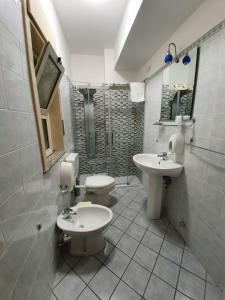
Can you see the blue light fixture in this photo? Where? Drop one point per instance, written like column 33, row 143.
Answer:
column 169, row 57
column 186, row 59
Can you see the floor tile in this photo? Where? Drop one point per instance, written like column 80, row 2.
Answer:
column 125, row 201
column 187, row 248
column 87, row 294
column 145, row 257
column 123, row 292
column 104, row 283
column 61, row 270
column 142, row 220
column 135, row 205
column 105, row 253
column 158, row 227
column 129, row 214
column 191, row 285
column 122, row 223
column 173, row 237
column 136, row 277
column 190, row 262
column 70, row 287
column 113, row 234
column 136, row 231
column 53, row 297
column 117, row 262
column 87, row 268
column 180, row 296
column 166, row 270
column 152, row 241
column 115, row 216
column 212, row 292
column 171, row 252
column 210, row 279
column 118, row 208
column 128, row 245
column 71, row 260
column 159, row 290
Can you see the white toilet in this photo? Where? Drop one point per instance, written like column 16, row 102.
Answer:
column 97, row 187
column 85, row 225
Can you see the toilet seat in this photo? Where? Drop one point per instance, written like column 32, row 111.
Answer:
column 100, row 182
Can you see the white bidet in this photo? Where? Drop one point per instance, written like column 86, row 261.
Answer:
column 86, row 228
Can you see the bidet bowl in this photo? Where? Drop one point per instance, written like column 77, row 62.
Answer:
column 89, row 219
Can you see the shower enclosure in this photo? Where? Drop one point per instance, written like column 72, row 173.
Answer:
column 108, row 131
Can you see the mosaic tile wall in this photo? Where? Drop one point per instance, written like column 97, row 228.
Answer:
column 119, row 127
column 168, row 96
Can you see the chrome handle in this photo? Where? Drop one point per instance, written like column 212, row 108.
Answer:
column 112, row 138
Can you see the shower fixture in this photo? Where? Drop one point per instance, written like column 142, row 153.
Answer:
column 169, row 57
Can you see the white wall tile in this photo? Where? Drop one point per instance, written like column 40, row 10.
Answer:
column 9, row 8
column 10, row 179
column 3, row 102
column 17, row 94
column 10, row 51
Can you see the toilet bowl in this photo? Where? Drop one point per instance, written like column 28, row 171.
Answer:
column 97, row 187
column 86, row 228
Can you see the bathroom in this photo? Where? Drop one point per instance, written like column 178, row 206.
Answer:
column 130, row 115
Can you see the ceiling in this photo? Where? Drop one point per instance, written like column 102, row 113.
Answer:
column 90, row 25
column 156, row 21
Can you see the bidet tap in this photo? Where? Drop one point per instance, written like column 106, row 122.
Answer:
column 67, row 212
column 163, row 155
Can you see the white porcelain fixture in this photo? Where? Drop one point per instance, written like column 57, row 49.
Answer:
column 155, row 167
column 97, row 187
column 86, row 228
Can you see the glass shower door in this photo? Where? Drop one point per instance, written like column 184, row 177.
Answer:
column 118, row 134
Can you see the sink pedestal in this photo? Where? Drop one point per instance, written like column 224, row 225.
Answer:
column 155, row 194
column 155, row 168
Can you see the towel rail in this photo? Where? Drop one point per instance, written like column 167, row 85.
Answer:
column 206, row 149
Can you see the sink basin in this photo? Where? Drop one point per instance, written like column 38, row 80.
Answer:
column 155, row 168
column 151, row 163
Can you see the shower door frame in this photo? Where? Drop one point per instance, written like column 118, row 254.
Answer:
column 110, row 135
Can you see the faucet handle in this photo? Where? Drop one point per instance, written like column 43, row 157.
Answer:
column 161, row 154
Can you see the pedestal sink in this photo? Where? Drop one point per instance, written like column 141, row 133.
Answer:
column 155, row 167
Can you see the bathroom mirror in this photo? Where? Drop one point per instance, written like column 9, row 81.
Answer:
column 178, row 89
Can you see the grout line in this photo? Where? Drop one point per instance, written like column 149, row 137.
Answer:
column 179, row 273
column 205, row 287
column 155, row 261
column 129, row 258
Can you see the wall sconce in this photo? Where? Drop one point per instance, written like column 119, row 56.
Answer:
column 169, row 57
column 186, row 59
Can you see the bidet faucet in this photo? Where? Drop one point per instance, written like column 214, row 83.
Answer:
column 67, row 212
column 163, row 155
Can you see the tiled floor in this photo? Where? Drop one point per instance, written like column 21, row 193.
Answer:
column 142, row 260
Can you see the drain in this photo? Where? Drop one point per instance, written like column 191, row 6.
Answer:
column 81, row 226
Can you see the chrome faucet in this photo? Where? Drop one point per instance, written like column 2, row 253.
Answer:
column 163, row 155
column 67, row 212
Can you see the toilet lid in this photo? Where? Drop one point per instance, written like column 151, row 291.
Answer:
column 99, row 181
